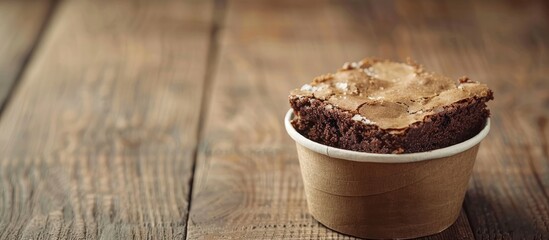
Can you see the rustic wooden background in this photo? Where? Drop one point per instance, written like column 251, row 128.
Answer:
column 160, row 120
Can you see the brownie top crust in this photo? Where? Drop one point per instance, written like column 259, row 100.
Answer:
column 390, row 95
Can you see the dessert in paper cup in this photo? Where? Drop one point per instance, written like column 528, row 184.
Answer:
column 386, row 149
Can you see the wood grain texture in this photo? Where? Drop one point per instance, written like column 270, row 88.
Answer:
column 20, row 27
column 98, row 141
column 509, row 194
column 247, row 182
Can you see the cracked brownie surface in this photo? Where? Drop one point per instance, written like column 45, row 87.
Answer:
column 382, row 106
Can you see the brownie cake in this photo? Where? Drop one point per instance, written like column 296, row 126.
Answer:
column 381, row 106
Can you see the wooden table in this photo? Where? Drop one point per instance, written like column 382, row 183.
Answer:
column 152, row 120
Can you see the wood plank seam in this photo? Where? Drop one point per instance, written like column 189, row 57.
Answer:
column 212, row 59
column 29, row 55
column 113, row 94
column 542, row 124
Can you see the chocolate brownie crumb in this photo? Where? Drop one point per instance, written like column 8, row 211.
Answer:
column 389, row 108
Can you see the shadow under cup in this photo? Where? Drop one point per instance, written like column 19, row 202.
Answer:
column 385, row 195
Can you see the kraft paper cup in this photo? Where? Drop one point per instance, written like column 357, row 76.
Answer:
column 385, row 195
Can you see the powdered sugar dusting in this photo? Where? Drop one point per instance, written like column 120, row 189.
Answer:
column 360, row 118
column 307, row 87
column 370, row 72
column 342, row 86
column 310, row 88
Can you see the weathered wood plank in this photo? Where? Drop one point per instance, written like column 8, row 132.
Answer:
column 98, row 140
column 247, row 182
column 509, row 196
column 21, row 23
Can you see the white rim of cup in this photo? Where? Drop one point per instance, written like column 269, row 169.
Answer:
column 378, row 157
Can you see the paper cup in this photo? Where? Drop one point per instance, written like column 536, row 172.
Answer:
column 385, row 195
